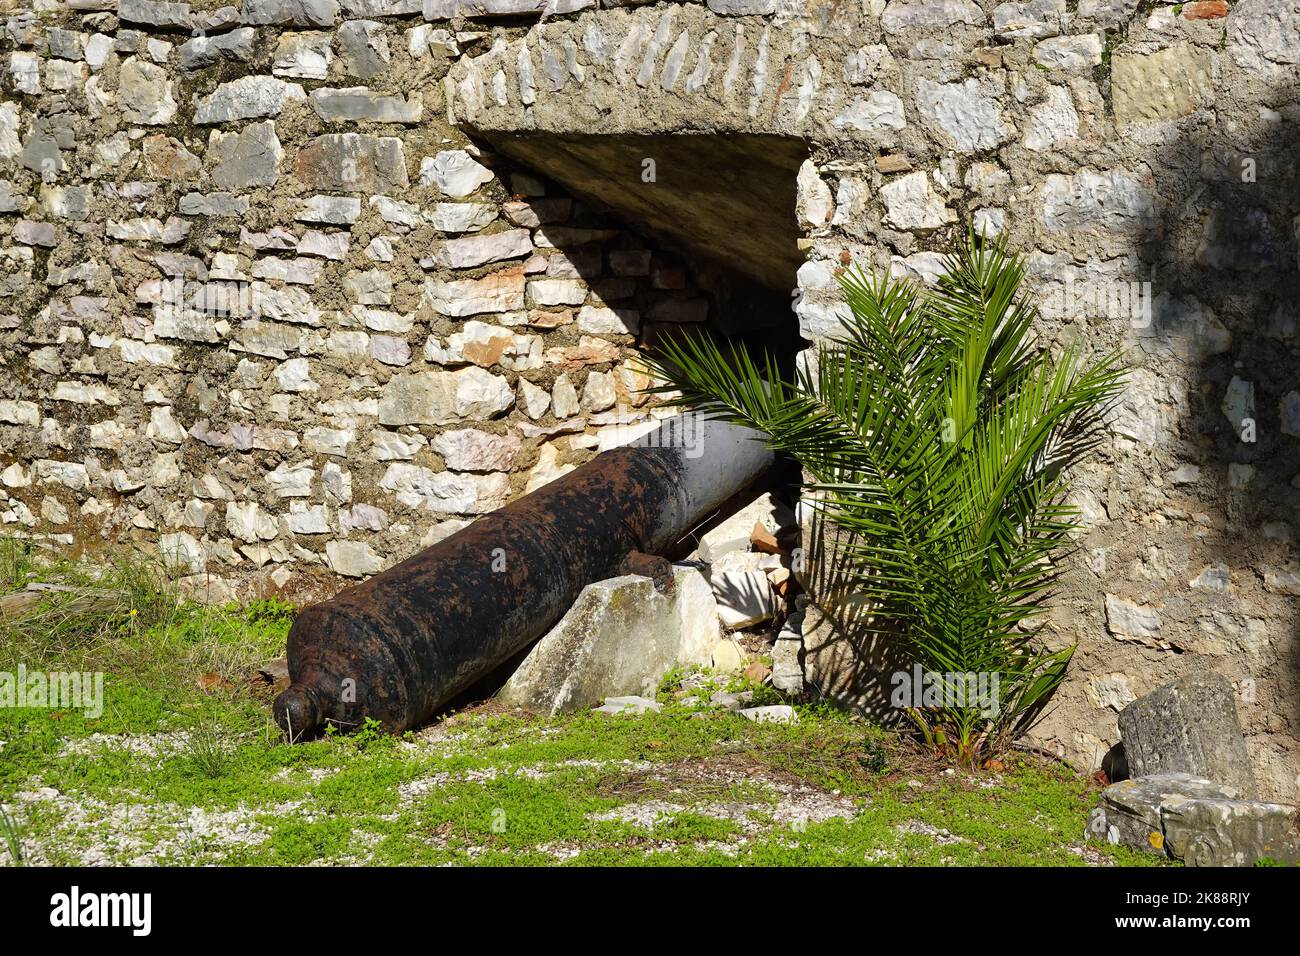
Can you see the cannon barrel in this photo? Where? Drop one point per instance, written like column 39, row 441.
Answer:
column 399, row 646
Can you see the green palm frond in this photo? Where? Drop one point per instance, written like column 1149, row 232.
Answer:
column 937, row 433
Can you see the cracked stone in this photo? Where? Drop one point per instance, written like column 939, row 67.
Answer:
column 353, row 162
column 455, row 172
column 911, row 203
column 245, row 159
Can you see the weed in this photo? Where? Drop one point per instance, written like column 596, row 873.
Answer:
column 13, row 837
column 207, row 750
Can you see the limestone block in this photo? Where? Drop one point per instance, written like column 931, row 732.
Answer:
column 1188, row 726
column 619, row 638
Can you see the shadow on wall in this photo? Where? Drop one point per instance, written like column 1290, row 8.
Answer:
column 1224, row 263
column 848, row 656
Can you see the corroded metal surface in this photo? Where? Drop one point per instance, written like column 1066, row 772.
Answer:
column 400, row 645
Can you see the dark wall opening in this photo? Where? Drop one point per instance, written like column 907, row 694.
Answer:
column 725, row 204
column 729, row 199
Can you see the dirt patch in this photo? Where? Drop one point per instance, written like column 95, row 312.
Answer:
column 716, row 787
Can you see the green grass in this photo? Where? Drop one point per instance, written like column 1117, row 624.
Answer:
column 172, row 773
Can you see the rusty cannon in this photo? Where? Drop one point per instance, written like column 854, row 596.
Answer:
column 399, row 646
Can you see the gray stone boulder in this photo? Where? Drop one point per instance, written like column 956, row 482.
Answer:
column 1231, row 832
column 619, row 639
column 1130, row 811
column 1197, row 821
column 1189, row 726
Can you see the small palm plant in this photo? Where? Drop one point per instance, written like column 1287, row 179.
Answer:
column 936, row 433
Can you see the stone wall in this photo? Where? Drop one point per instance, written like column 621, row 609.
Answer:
column 263, row 305
column 1141, row 155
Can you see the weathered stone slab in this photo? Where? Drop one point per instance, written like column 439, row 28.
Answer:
column 620, row 637
column 464, row 297
column 1105, row 12
column 903, row 15
column 249, row 97
column 461, row 216
column 365, row 48
column 1129, row 814
column 302, row 13
column 480, row 250
column 353, row 162
column 444, row 491
column 332, row 210
column 743, row 8
column 155, row 13
column 245, row 159
column 1161, row 86
column 303, row 55
column 1189, row 726
column 1033, row 19
column 440, row 398
column 353, row 559
column 360, row 103
column 1195, row 820
column 1074, row 54
column 880, row 111
column 382, row 8
column 601, row 321
column 1129, row 621
column 235, row 47
column 145, row 93
column 744, row 597
column 912, row 203
column 967, row 112
column 1230, row 832
column 469, row 449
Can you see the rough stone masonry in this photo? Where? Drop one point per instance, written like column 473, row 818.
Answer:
column 291, row 288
